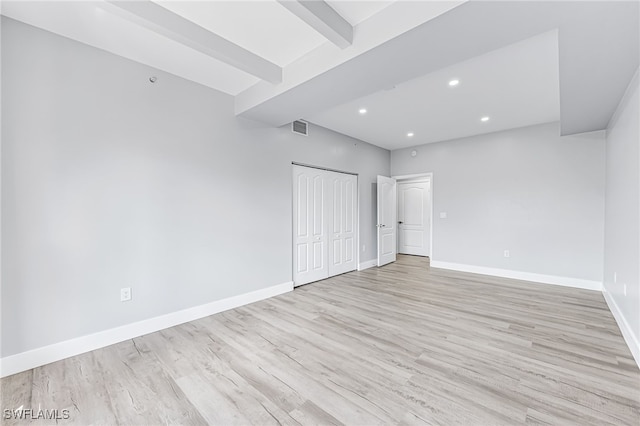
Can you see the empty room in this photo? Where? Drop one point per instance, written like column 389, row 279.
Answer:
column 292, row 212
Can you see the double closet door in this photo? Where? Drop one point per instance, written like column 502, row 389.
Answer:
column 324, row 224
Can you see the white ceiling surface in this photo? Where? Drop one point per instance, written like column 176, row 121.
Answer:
column 291, row 98
column 414, row 45
column 356, row 12
column 92, row 24
column 263, row 27
column 515, row 86
column 598, row 44
column 276, row 34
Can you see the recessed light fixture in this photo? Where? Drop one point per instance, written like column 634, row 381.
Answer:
column 362, row 111
column 454, row 82
column 484, row 119
column 410, row 134
column 153, row 79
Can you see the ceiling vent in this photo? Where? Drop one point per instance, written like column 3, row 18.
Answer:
column 300, row 127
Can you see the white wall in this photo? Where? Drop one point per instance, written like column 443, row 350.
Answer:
column 622, row 217
column 109, row 181
column 528, row 190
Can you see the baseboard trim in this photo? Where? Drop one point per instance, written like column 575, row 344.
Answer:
column 518, row 275
column 629, row 337
column 47, row 354
column 368, row 264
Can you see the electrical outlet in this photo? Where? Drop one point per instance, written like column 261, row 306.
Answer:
column 125, row 294
column 615, row 277
column 507, row 254
column 443, row 215
column 624, row 289
column 364, row 248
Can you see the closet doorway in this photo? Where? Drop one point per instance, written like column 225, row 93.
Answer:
column 325, row 223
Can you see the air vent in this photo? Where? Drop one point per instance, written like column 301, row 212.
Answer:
column 299, row 127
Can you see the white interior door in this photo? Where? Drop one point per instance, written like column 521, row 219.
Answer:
column 386, row 220
column 342, row 236
column 414, row 217
column 310, row 229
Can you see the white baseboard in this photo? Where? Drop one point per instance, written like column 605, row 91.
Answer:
column 627, row 332
column 47, row 354
column 518, row 275
column 368, row 264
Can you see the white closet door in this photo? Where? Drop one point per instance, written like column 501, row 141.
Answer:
column 325, row 222
column 310, row 227
column 342, row 223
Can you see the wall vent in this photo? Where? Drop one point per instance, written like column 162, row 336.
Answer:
column 300, row 127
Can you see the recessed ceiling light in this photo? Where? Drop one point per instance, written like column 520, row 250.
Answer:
column 454, row 82
column 483, row 119
column 410, row 134
column 362, row 111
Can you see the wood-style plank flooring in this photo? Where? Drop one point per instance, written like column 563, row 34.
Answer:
column 398, row 345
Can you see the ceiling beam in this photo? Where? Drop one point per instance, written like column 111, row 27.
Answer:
column 162, row 21
column 323, row 18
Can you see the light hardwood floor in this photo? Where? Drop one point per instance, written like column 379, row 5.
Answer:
column 402, row 344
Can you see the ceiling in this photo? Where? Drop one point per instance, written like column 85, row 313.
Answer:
column 263, row 29
column 272, row 27
column 514, row 86
column 518, row 62
column 358, row 11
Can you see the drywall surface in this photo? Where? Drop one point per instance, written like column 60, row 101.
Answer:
column 111, row 181
column 622, row 213
column 527, row 190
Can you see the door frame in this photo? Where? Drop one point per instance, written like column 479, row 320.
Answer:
column 417, row 177
column 292, row 225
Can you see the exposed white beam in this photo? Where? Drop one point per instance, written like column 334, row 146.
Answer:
column 320, row 16
column 181, row 30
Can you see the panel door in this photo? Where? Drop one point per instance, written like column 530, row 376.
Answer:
column 414, row 211
column 386, row 220
column 310, row 248
column 342, row 223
